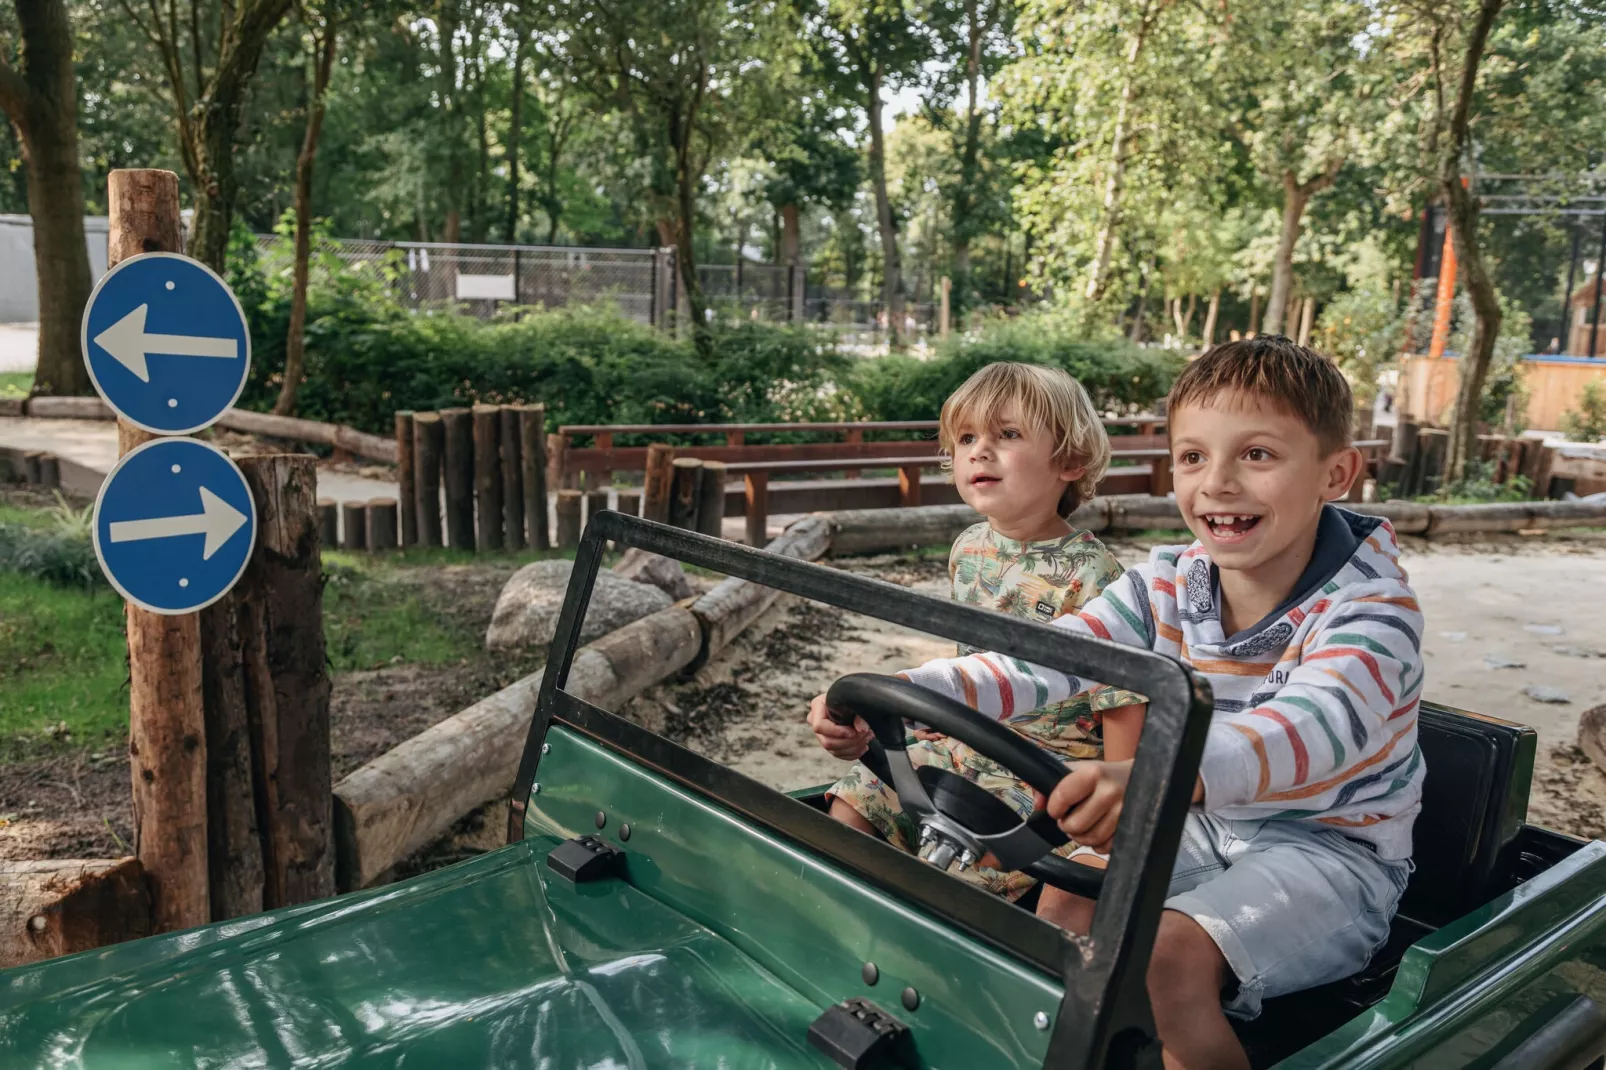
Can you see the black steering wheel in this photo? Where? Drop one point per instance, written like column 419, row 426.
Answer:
column 958, row 820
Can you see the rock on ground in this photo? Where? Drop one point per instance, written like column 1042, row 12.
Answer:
column 655, row 570
column 526, row 614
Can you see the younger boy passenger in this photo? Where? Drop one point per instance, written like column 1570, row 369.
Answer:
column 1302, row 620
column 1027, row 448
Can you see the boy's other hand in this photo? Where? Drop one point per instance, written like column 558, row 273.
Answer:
column 1087, row 803
column 842, row 741
column 927, row 734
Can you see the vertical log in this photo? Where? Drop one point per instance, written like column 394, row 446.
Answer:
column 596, row 502
column 459, row 469
column 1160, row 479
column 658, row 480
column 167, row 725
column 405, row 478
column 630, row 502
column 354, row 525
column 512, row 478
column 568, row 519
column 758, row 507
column 33, row 467
column 279, row 607
column 1547, row 461
column 711, row 499
column 382, row 517
column 686, row 474
column 488, row 477
column 909, row 485
column 532, row 444
column 557, row 456
column 429, row 443
column 49, row 471
column 328, row 522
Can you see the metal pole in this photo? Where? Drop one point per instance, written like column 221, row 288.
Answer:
column 1567, row 302
column 1600, row 272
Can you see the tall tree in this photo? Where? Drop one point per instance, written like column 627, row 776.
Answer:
column 872, row 47
column 677, row 69
column 209, row 55
column 810, row 163
column 323, row 31
column 38, row 95
column 1302, row 111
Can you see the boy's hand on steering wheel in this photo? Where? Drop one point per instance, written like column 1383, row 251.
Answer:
column 841, row 741
column 1087, row 803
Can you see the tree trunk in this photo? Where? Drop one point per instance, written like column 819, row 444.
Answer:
column 446, row 20
column 1104, row 245
column 791, row 235
column 1462, row 207
column 295, row 337
column 515, row 129
column 1210, row 318
column 964, row 201
column 41, row 102
column 1296, row 197
column 892, row 271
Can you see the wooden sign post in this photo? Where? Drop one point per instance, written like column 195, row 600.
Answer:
column 166, row 727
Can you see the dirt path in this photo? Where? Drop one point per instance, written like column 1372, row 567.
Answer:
column 1501, row 617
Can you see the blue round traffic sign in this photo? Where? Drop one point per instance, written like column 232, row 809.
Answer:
column 174, row 525
column 166, row 343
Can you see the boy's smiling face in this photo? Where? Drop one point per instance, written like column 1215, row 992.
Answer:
column 1007, row 472
column 1251, row 481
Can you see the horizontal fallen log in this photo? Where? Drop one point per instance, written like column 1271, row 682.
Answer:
column 1576, row 514
column 339, row 436
column 1483, row 517
column 735, row 603
column 55, row 907
column 1143, row 513
column 861, row 531
column 1408, row 518
column 69, row 408
column 410, row 795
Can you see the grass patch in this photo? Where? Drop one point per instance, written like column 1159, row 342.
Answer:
column 372, row 618
column 15, row 384
column 63, row 663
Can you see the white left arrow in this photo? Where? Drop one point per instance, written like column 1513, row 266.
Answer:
column 128, row 343
column 217, row 520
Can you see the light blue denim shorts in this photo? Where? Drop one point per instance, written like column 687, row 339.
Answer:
column 1290, row 905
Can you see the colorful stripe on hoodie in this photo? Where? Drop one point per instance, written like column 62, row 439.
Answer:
column 1315, row 705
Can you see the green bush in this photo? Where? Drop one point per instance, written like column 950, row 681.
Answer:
column 367, row 356
column 1119, row 376
column 1588, row 422
column 66, row 560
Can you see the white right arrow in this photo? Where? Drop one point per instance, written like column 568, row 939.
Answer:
column 217, row 520
column 129, row 345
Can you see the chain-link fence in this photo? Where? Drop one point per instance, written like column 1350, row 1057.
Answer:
column 479, row 279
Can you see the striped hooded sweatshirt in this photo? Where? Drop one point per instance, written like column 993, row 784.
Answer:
column 1315, row 705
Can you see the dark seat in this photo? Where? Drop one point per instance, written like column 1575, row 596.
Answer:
column 1474, row 805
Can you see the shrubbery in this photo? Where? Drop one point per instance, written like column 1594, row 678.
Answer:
column 367, row 356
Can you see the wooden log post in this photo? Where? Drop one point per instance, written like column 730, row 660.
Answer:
column 459, row 477
column 429, row 444
column 382, row 522
column 658, row 482
column 354, row 525
column 49, row 471
column 683, row 492
column 557, row 448
column 512, row 478
column 407, row 509
column 167, row 726
column 54, row 907
column 488, row 477
column 630, row 502
column 1542, row 469
column 328, row 522
column 711, row 499
column 1160, row 483
column 532, row 455
column 569, row 519
column 909, row 486
column 33, row 467
column 268, row 690
column 596, row 502
column 758, row 507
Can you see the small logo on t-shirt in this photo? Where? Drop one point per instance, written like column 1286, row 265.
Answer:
column 1045, row 609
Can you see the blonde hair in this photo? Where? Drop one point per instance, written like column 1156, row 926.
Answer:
column 1046, row 399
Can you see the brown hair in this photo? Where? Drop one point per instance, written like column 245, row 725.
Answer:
column 1045, row 398
column 1299, row 381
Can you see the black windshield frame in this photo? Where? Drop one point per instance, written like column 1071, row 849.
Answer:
column 1105, row 1003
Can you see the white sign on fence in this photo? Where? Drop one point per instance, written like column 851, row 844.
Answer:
column 485, row 288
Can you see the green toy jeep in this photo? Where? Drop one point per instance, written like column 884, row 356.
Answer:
column 655, row 909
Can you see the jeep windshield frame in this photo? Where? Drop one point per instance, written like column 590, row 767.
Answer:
column 1105, row 1008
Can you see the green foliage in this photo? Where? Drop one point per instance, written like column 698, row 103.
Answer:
column 62, row 655
column 1362, row 329
column 1478, row 487
column 15, row 384
column 50, row 546
column 1587, row 423
column 1117, row 375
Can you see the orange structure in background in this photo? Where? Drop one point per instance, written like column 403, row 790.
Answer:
column 1444, row 295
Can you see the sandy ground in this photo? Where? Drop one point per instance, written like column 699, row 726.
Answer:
column 1502, row 617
